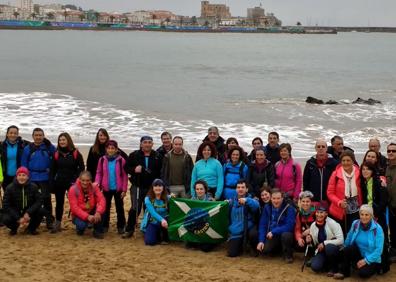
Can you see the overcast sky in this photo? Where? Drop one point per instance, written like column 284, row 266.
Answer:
column 321, row 12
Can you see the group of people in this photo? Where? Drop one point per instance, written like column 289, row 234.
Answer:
column 338, row 211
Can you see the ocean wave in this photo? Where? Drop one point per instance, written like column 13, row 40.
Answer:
column 81, row 118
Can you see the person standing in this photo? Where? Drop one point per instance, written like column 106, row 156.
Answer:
column 208, row 168
column 218, row 142
column 67, row 165
column 234, row 170
column 272, row 148
column 11, row 151
column 257, row 143
column 317, row 172
column 97, row 150
column 344, row 192
column 375, row 145
column 391, row 187
column 288, row 176
column 113, row 181
column 176, row 169
column 143, row 165
column 166, row 139
column 337, row 147
column 22, row 203
column 37, row 158
column 261, row 172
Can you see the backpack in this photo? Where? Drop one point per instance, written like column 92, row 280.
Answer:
column 241, row 167
column 75, row 155
column 33, row 149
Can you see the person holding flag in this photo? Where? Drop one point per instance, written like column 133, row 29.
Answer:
column 243, row 210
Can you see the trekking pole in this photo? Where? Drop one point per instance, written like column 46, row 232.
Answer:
column 305, row 257
column 137, row 211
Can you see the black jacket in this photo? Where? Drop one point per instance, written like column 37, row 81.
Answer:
column 148, row 174
column 316, row 179
column 65, row 169
column 272, row 154
column 330, row 150
column 256, row 179
column 19, row 199
column 380, row 198
column 3, row 153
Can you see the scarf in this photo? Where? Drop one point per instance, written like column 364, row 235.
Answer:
column 350, row 183
column 365, row 227
column 322, row 232
column 260, row 167
column 321, row 162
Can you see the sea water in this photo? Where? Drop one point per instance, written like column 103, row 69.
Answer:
column 137, row 83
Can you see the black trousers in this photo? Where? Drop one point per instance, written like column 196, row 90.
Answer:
column 283, row 242
column 119, row 204
column 346, row 223
column 137, row 200
column 350, row 257
column 235, row 246
column 392, row 227
column 12, row 222
column 47, row 204
column 60, row 201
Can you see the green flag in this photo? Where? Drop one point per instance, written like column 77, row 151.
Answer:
column 198, row 221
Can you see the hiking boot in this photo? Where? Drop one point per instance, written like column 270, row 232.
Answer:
column 105, row 229
column 98, row 235
column 338, row 276
column 56, row 228
column 32, row 232
column 121, row 231
column 330, row 274
column 289, row 260
column 127, row 234
column 13, row 232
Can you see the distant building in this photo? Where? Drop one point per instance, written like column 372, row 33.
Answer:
column 255, row 12
column 7, row 12
column 26, row 5
column 219, row 11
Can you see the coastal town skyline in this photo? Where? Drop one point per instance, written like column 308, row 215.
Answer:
column 308, row 12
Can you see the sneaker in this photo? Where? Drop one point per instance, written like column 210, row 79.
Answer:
column 13, row 232
column 127, row 234
column 330, row 274
column 121, row 231
column 98, row 235
column 338, row 276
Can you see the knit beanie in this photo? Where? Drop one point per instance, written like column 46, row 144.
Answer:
column 112, row 143
column 22, row 169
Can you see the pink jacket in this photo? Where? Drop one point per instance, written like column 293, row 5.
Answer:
column 81, row 209
column 102, row 174
column 288, row 178
column 336, row 191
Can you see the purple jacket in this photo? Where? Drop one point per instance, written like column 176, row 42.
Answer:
column 102, row 174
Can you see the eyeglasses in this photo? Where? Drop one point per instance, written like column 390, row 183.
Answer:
column 391, row 151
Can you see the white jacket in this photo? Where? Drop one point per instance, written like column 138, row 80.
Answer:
column 333, row 231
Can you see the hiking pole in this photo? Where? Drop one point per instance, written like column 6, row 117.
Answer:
column 137, row 211
column 305, row 257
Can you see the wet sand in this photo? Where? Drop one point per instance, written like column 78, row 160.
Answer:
column 67, row 257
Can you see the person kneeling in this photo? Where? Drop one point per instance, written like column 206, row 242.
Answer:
column 326, row 235
column 154, row 224
column 22, row 204
column 243, row 210
column 87, row 205
column 276, row 227
column 363, row 245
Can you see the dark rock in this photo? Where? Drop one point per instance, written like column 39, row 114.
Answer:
column 312, row 100
column 370, row 101
column 331, row 102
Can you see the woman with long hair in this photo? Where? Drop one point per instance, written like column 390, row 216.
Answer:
column 97, row 150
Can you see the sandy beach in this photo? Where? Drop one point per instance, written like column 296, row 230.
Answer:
column 67, row 257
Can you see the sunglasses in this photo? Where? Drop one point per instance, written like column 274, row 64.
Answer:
column 391, row 151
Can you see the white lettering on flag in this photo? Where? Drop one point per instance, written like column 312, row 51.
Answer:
column 213, row 234
column 214, row 211
column 182, row 231
column 183, row 206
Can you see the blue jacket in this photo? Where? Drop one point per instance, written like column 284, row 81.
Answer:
column 156, row 211
column 373, row 238
column 38, row 160
column 276, row 221
column 212, row 172
column 237, row 216
column 232, row 173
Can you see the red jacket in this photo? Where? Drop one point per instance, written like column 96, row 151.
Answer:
column 81, row 209
column 336, row 191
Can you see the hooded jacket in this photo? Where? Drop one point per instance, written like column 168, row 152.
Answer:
column 102, row 174
column 21, row 144
column 256, row 178
column 66, row 169
column 316, row 179
column 391, row 184
column 241, row 213
column 288, row 177
column 38, row 160
column 211, row 171
column 82, row 209
column 19, row 199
